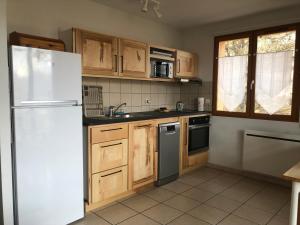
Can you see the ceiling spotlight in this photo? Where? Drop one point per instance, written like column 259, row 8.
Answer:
column 155, row 4
column 156, row 8
column 145, row 5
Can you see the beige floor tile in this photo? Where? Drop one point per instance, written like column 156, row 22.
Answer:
column 212, row 187
column 116, row 213
column 162, row 214
column 90, row 219
column 285, row 211
column 242, row 191
column 223, row 203
column 191, row 180
column 255, row 215
column 198, row 195
column 128, row 197
column 267, row 203
column 187, row 220
column 277, row 220
column 182, row 203
column 177, row 187
column 207, row 173
column 139, row 220
column 227, row 179
column 235, row 220
column 140, row 203
column 160, row 194
column 208, row 214
column 105, row 206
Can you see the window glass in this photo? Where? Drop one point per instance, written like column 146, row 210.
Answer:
column 274, row 73
column 232, row 75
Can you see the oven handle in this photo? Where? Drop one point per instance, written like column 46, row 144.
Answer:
column 194, row 127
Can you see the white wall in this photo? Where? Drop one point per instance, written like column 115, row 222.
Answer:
column 5, row 150
column 46, row 18
column 226, row 132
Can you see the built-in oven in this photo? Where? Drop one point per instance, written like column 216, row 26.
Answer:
column 198, row 134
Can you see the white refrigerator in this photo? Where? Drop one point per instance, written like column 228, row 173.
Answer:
column 47, row 136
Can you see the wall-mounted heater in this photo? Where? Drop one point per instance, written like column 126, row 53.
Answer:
column 270, row 153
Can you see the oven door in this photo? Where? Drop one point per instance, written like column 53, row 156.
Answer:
column 198, row 138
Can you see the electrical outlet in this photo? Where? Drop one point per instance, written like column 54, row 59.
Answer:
column 147, row 101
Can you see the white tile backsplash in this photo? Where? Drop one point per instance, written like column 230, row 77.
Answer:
column 126, row 86
column 114, row 86
column 136, row 87
column 136, row 100
column 160, row 94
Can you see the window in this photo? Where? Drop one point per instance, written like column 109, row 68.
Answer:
column 255, row 74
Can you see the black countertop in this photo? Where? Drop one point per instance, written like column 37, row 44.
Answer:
column 139, row 116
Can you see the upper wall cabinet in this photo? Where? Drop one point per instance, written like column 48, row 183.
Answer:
column 107, row 55
column 104, row 55
column 186, row 65
column 133, row 58
column 99, row 53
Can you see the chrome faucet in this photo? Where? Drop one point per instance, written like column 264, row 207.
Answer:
column 114, row 109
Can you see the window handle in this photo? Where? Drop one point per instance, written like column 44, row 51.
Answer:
column 251, row 85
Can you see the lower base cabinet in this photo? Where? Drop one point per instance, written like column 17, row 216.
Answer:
column 109, row 184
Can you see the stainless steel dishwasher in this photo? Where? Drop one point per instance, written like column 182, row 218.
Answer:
column 168, row 152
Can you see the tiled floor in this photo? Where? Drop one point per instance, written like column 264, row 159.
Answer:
column 204, row 197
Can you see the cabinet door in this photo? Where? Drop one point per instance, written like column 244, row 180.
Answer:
column 133, row 58
column 186, row 66
column 99, row 53
column 184, row 137
column 109, row 184
column 109, row 155
column 142, row 140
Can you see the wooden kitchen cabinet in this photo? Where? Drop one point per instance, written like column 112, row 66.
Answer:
column 99, row 53
column 32, row 41
column 109, row 184
column 133, row 58
column 109, row 155
column 141, row 153
column 186, row 64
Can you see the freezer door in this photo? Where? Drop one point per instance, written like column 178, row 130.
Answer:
column 48, row 158
column 44, row 75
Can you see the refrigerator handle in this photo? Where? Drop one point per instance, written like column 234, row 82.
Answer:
column 50, row 103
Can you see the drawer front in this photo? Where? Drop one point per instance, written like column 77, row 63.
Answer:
column 109, row 184
column 109, row 155
column 109, row 133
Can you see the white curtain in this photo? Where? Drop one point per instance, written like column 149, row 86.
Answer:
column 232, row 81
column 274, row 80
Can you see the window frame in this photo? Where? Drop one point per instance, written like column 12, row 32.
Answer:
column 250, row 101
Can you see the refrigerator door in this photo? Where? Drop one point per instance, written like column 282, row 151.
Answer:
column 48, row 160
column 45, row 77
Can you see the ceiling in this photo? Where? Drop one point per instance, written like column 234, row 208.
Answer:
column 188, row 13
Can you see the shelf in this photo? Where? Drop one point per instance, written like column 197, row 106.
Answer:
column 154, row 56
column 132, row 78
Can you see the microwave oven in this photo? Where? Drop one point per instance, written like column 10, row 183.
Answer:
column 162, row 69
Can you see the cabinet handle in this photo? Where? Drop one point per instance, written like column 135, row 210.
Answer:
column 122, row 64
column 186, row 134
column 101, row 51
column 142, row 126
column 178, row 66
column 119, row 171
column 111, row 129
column 106, row 146
column 116, row 63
